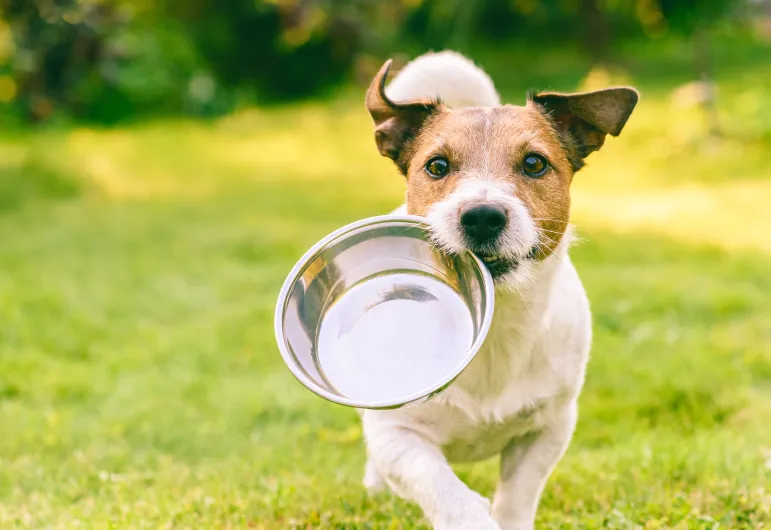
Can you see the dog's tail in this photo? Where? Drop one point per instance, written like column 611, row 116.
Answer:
column 448, row 76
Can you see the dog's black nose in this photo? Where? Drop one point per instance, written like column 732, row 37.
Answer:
column 483, row 223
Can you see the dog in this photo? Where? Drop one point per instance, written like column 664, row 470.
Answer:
column 494, row 179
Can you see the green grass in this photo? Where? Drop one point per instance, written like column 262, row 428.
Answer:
column 140, row 386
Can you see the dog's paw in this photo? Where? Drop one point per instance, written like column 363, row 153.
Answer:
column 373, row 480
column 515, row 524
column 487, row 523
column 472, row 512
column 375, row 484
column 479, row 522
column 479, row 500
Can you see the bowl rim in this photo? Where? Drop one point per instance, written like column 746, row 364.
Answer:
column 301, row 265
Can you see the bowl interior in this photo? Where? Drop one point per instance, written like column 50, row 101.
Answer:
column 375, row 316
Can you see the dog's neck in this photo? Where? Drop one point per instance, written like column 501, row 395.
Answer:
column 521, row 311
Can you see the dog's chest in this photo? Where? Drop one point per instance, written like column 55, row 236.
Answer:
column 473, row 428
column 511, row 388
column 477, row 440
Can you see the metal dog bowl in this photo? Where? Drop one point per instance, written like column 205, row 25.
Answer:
column 375, row 316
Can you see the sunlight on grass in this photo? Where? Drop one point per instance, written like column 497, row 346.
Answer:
column 731, row 216
column 660, row 178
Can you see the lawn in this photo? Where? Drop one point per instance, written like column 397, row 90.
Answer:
column 140, row 385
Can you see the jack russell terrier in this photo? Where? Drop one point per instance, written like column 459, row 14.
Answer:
column 494, row 179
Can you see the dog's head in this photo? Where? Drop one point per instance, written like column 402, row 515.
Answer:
column 496, row 180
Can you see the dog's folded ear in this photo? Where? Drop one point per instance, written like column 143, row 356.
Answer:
column 587, row 117
column 396, row 123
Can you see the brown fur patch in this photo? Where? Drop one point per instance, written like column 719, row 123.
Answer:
column 396, row 124
column 584, row 119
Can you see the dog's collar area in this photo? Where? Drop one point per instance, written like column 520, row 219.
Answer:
column 498, row 265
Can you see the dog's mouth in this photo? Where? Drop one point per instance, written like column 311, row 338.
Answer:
column 498, row 265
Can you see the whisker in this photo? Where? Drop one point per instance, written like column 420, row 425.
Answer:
column 573, row 237
column 550, row 231
column 542, row 232
column 420, row 224
column 552, row 220
column 524, row 302
column 543, row 249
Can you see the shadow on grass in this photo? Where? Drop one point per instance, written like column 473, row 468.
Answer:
column 33, row 180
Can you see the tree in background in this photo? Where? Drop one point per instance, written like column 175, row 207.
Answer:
column 108, row 60
column 57, row 48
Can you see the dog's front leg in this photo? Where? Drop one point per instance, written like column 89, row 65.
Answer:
column 526, row 463
column 417, row 470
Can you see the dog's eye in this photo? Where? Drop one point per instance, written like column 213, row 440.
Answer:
column 438, row 167
column 534, row 165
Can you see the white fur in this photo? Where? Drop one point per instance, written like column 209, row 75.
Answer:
column 520, row 235
column 449, row 75
column 518, row 397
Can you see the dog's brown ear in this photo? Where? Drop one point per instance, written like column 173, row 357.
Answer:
column 396, row 123
column 587, row 117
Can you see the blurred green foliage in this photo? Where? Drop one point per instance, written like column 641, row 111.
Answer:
column 108, row 60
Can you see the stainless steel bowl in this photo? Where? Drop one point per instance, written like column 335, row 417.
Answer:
column 375, row 316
